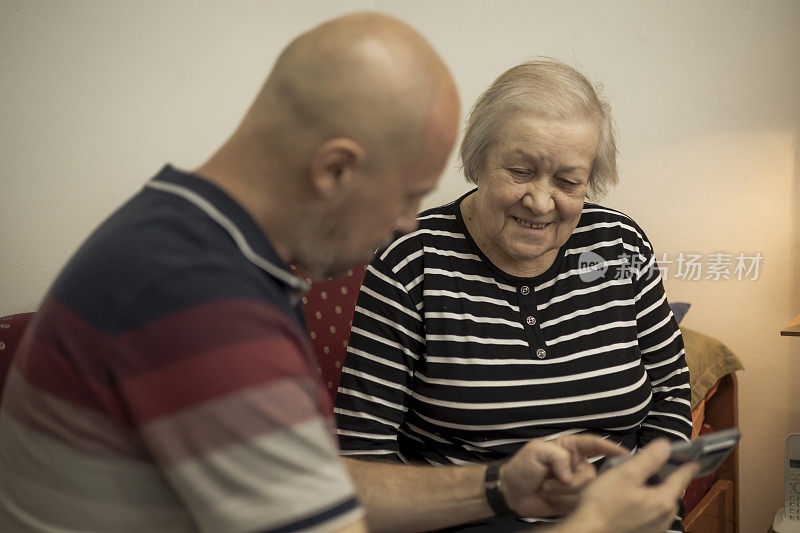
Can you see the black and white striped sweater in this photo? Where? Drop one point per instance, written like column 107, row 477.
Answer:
column 453, row 361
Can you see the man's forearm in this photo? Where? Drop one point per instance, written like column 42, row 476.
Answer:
column 419, row 498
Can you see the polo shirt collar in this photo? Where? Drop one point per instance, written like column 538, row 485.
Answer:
column 225, row 211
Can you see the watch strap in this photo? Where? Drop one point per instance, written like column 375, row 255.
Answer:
column 491, row 486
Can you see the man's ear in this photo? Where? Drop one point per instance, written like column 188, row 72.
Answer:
column 334, row 164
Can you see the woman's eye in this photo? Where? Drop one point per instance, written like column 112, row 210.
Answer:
column 520, row 171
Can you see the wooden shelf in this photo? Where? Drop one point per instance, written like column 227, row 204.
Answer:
column 793, row 329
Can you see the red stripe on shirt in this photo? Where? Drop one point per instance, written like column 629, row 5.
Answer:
column 54, row 369
column 166, row 366
column 83, row 429
column 201, row 329
column 203, row 377
column 252, row 413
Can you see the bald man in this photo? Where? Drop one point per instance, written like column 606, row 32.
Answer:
column 166, row 384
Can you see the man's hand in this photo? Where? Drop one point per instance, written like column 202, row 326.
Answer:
column 544, row 478
column 564, row 497
column 621, row 501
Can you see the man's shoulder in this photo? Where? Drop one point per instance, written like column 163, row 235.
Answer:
column 154, row 257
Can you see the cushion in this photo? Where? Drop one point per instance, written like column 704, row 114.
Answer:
column 12, row 328
column 329, row 307
column 708, row 360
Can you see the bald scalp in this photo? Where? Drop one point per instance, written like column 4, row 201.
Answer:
column 367, row 77
column 353, row 125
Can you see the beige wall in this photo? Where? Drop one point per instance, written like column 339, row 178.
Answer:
column 96, row 96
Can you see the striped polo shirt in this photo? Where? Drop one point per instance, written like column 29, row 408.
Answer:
column 453, row 361
column 166, row 383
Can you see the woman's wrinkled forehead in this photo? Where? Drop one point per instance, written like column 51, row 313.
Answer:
column 525, row 129
column 530, row 137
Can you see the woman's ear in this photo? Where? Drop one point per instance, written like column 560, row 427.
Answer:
column 334, row 165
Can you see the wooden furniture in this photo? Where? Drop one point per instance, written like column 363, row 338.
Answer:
column 793, row 329
column 718, row 510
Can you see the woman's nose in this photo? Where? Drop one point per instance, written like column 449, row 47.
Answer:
column 539, row 199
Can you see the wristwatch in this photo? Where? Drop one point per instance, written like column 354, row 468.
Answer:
column 491, row 485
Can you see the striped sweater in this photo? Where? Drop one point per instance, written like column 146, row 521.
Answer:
column 453, row 361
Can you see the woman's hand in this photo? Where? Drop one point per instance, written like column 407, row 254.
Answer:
column 544, row 478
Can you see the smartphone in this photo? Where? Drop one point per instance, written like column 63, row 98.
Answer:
column 709, row 451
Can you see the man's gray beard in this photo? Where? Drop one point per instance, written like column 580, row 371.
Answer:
column 333, row 266
column 320, row 257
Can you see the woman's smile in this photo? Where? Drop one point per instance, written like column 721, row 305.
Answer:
column 530, row 225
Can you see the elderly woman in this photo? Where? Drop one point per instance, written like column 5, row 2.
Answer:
column 518, row 311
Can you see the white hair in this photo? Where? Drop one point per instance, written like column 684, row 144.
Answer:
column 553, row 89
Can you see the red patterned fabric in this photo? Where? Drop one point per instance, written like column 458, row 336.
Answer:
column 12, row 328
column 329, row 307
column 698, row 487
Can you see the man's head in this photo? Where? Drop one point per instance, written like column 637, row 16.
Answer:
column 352, row 127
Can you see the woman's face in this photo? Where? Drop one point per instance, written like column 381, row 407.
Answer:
column 531, row 190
